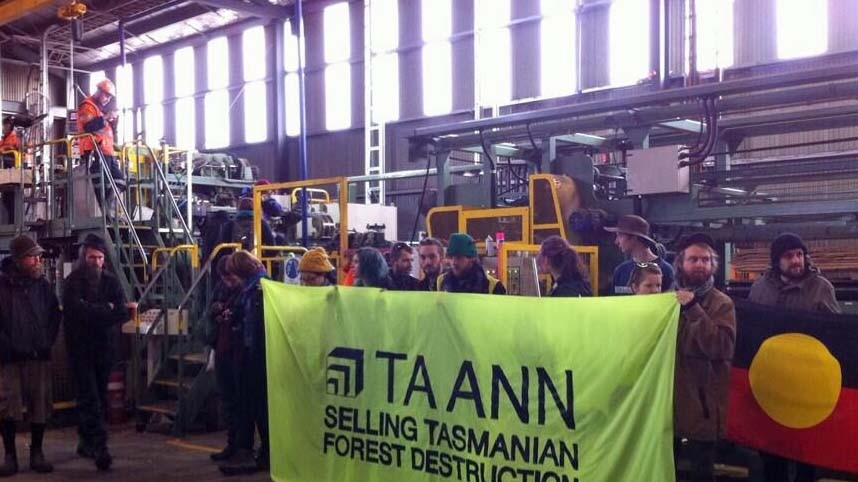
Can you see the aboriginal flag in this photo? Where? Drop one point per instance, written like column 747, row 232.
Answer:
column 794, row 385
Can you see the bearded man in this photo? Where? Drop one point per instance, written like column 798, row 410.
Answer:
column 95, row 306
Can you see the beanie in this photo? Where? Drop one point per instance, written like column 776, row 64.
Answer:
column 783, row 243
column 315, row 261
column 462, row 244
column 95, row 242
column 24, row 245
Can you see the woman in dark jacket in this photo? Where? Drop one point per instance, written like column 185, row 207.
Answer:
column 252, row 398
column 558, row 258
column 371, row 269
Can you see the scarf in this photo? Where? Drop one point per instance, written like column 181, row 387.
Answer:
column 700, row 291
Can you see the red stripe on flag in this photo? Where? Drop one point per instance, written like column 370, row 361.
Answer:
column 833, row 443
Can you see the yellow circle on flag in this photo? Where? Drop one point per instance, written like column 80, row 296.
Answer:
column 796, row 380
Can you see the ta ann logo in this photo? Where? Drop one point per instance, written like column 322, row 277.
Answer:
column 344, row 376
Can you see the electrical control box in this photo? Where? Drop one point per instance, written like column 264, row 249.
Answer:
column 656, row 171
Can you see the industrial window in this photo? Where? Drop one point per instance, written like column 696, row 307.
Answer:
column 186, row 123
column 338, row 98
column 183, row 69
column 714, row 34
column 437, row 23
column 802, row 28
column 217, row 99
column 494, row 55
column 218, row 63
column 125, row 101
column 557, row 47
column 255, row 112
column 94, row 79
column 254, row 92
column 154, row 124
column 153, row 95
column 290, row 62
column 217, row 119
column 385, row 60
column 629, row 41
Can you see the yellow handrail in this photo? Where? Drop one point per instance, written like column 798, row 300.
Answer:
column 342, row 201
column 192, row 248
column 310, row 198
column 283, row 249
column 15, row 153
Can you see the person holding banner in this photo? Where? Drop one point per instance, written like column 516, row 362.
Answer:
column 646, row 279
column 467, row 275
column 793, row 283
column 705, row 345
column 315, row 268
column 431, row 256
column 557, row 257
column 252, row 376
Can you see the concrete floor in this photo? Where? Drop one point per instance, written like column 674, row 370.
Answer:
column 137, row 457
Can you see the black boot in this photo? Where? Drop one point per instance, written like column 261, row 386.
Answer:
column 103, row 459
column 224, row 454
column 38, row 463
column 85, row 451
column 10, row 463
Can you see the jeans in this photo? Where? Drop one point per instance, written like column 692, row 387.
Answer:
column 91, row 371
column 226, row 371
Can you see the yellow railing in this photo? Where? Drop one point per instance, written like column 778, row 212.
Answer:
column 268, row 260
column 16, row 154
column 310, row 198
column 342, row 201
column 193, row 249
column 591, row 251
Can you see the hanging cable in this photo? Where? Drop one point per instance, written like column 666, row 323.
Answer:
column 493, row 188
column 422, row 195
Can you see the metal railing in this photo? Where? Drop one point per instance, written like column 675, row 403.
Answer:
column 182, row 322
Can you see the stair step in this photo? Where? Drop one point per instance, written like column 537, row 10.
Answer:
column 199, row 358
column 186, row 382
column 165, row 407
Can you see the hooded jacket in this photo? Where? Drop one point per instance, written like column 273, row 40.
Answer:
column 29, row 316
column 93, row 310
column 811, row 293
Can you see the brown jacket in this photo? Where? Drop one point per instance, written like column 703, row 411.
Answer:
column 813, row 293
column 705, row 345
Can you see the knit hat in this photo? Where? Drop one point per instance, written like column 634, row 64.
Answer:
column 462, row 244
column 95, row 242
column 315, row 261
column 24, row 245
column 783, row 243
column 695, row 238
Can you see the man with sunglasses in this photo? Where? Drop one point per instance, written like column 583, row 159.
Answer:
column 401, row 263
column 29, row 324
column 633, row 239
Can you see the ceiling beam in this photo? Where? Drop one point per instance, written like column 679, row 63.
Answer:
column 12, row 10
column 146, row 25
column 250, row 8
column 682, row 125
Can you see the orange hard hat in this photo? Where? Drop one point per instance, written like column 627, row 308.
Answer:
column 107, row 87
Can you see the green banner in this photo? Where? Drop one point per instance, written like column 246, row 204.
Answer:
column 370, row 385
